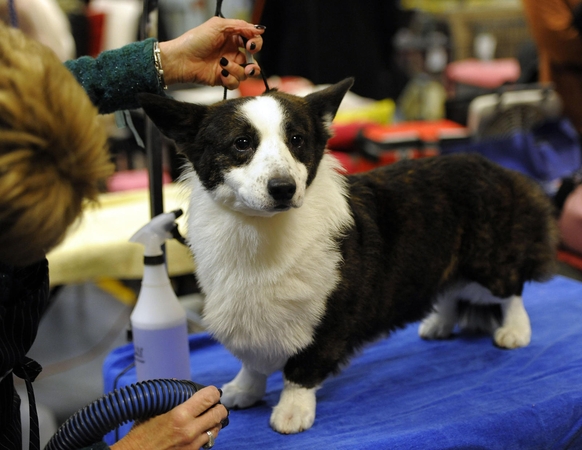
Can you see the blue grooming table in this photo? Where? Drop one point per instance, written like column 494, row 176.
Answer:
column 406, row 393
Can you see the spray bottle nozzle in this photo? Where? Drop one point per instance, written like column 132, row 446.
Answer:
column 178, row 213
column 154, row 234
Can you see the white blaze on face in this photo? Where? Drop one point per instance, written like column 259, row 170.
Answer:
column 245, row 188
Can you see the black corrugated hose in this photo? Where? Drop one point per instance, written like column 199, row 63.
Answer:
column 139, row 401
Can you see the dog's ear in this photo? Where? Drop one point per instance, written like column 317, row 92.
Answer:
column 177, row 120
column 326, row 102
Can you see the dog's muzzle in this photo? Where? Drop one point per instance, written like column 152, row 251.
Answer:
column 282, row 191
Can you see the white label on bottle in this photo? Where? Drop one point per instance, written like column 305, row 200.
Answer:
column 162, row 353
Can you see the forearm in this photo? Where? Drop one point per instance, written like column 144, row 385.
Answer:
column 115, row 77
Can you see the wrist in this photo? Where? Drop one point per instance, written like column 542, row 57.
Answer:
column 170, row 67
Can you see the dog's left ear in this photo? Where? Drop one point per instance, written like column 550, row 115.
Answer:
column 177, row 120
column 326, row 102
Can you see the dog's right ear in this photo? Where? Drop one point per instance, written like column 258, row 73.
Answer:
column 177, row 120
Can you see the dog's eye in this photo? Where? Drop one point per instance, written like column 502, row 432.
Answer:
column 242, row 143
column 297, row 140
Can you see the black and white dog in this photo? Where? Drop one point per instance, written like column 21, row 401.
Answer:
column 301, row 265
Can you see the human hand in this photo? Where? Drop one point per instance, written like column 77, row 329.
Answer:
column 209, row 54
column 184, row 427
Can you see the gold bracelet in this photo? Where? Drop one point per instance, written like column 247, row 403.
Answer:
column 158, row 64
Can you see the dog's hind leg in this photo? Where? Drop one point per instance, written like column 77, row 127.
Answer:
column 440, row 322
column 246, row 389
column 295, row 411
column 511, row 330
column 515, row 329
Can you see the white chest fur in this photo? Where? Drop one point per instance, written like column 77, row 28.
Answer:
column 266, row 279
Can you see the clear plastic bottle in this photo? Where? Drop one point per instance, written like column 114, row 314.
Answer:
column 158, row 321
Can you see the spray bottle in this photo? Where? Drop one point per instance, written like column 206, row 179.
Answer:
column 158, row 321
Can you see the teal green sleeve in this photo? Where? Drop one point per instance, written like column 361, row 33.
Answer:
column 115, row 77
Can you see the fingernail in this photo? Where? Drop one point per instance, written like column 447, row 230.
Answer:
column 253, row 46
column 260, row 27
column 252, row 72
column 220, row 390
column 223, row 61
column 224, row 422
column 224, row 73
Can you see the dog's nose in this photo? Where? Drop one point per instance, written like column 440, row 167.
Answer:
column 281, row 189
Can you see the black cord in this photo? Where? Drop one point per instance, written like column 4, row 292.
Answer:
column 218, row 11
column 264, row 77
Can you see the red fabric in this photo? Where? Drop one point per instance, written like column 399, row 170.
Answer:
column 570, row 258
column 96, row 26
column 425, row 130
column 429, row 133
column 347, row 160
column 345, row 135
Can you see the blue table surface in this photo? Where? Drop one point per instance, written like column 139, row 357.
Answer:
column 403, row 392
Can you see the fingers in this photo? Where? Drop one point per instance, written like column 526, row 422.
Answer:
column 254, row 43
column 204, row 439
column 242, row 28
column 203, row 405
column 235, row 28
column 232, row 80
column 210, row 438
column 242, row 67
column 202, row 413
column 215, row 416
column 203, row 400
column 249, row 37
column 185, row 426
column 233, row 72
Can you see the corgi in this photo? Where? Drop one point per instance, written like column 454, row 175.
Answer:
column 302, row 265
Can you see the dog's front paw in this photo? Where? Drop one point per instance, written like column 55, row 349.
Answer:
column 236, row 396
column 247, row 388
column 435, row 327
column 512, row 337
column 296, row 410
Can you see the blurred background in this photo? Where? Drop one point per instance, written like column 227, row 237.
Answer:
column 432, row 77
